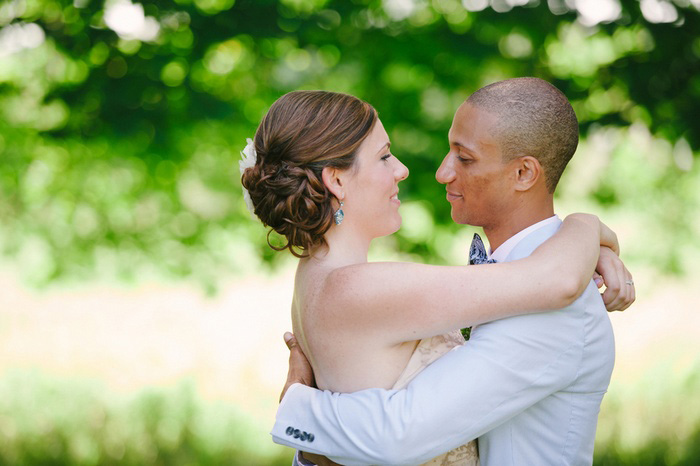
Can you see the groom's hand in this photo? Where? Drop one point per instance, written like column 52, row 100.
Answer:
column 300, row 371
column 299, row 368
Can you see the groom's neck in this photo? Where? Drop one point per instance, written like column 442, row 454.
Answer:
column 516, row 220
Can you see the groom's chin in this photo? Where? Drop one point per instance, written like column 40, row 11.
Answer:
column 458, row 217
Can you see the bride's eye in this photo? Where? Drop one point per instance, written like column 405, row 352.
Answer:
column 386, row 157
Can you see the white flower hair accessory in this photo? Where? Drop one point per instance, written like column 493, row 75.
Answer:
column 248, row 159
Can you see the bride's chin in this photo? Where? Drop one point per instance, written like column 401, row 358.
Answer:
column 390, row 227
column 397, row 226
column 389, row 232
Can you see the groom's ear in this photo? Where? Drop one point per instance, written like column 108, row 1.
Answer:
column 528, row 172
column 333, row 179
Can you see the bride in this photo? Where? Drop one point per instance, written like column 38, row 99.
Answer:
column 321, row 174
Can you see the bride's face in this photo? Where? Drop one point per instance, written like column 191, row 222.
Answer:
column 371, row 194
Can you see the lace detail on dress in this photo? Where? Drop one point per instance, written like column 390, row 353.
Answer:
column 427, row 351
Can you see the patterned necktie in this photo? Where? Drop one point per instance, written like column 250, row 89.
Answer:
column 477, row 252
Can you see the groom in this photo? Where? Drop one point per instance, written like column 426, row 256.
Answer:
column 528, row 387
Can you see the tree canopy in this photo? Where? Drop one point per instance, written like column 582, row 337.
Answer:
column 121, row 123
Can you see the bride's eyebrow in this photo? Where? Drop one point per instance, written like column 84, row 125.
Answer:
column 385, row 146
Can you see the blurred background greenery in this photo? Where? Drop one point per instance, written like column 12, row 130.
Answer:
column 120, row 128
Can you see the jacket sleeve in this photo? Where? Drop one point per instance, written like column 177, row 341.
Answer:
column 506, row 367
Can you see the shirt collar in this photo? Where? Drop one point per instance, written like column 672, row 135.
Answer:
column 504, row 249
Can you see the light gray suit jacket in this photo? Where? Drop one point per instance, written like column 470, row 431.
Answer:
column 529, row 387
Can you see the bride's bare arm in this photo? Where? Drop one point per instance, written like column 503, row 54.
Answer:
column 403, row 301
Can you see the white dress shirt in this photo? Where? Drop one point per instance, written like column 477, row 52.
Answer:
column 502, row 251
column 529, row 387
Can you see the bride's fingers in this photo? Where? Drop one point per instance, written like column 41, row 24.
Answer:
column 625, row 292
column 610, row 269
column 616, row 295
column 619, row 291
column 626, row 295
column 598, row 279
column 631, row 292
column 612, row 288
column 634, row 291
column 611, row 293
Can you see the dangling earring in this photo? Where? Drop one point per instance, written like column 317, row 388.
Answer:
column 339, row 215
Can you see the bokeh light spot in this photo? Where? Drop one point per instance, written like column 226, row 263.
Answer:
column 174, row 73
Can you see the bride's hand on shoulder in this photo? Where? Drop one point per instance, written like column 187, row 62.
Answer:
column 608, row 238
column 619, row 291
column 610, row 271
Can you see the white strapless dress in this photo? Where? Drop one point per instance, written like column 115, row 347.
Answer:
column 427, row 351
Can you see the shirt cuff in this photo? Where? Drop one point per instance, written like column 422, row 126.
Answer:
column 291, row 388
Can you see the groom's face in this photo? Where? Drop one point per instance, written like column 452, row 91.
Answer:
column 476, row 178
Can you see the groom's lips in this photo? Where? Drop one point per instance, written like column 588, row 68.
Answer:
column 452, row 196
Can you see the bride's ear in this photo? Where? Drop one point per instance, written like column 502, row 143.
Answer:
column 333, row 180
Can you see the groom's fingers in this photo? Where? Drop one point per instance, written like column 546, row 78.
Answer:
column 290, row 340
column 299, row 368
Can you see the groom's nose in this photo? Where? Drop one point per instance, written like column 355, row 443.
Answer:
column 445, row 173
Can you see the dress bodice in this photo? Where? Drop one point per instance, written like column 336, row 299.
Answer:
column 427, row 351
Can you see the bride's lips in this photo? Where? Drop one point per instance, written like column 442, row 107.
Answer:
column 452, row 196
column 395, row 198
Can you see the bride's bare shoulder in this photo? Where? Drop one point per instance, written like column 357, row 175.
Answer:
column 371, row 271
column 349, row 274
column 352, row 283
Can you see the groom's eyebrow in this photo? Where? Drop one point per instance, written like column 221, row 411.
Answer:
column 458, row 144
column 462, row 146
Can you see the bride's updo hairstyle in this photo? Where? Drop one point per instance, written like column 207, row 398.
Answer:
column 302, row 133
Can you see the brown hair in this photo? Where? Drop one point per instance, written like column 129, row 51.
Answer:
column 301, row 134
column 535, row 119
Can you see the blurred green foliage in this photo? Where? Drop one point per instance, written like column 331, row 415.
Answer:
column 652, row 421
column 49, row 421
column 121, row 123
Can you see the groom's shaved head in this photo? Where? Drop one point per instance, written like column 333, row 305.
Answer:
column 535, row 119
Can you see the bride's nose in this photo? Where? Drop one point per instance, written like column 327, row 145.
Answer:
column 402, row 172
